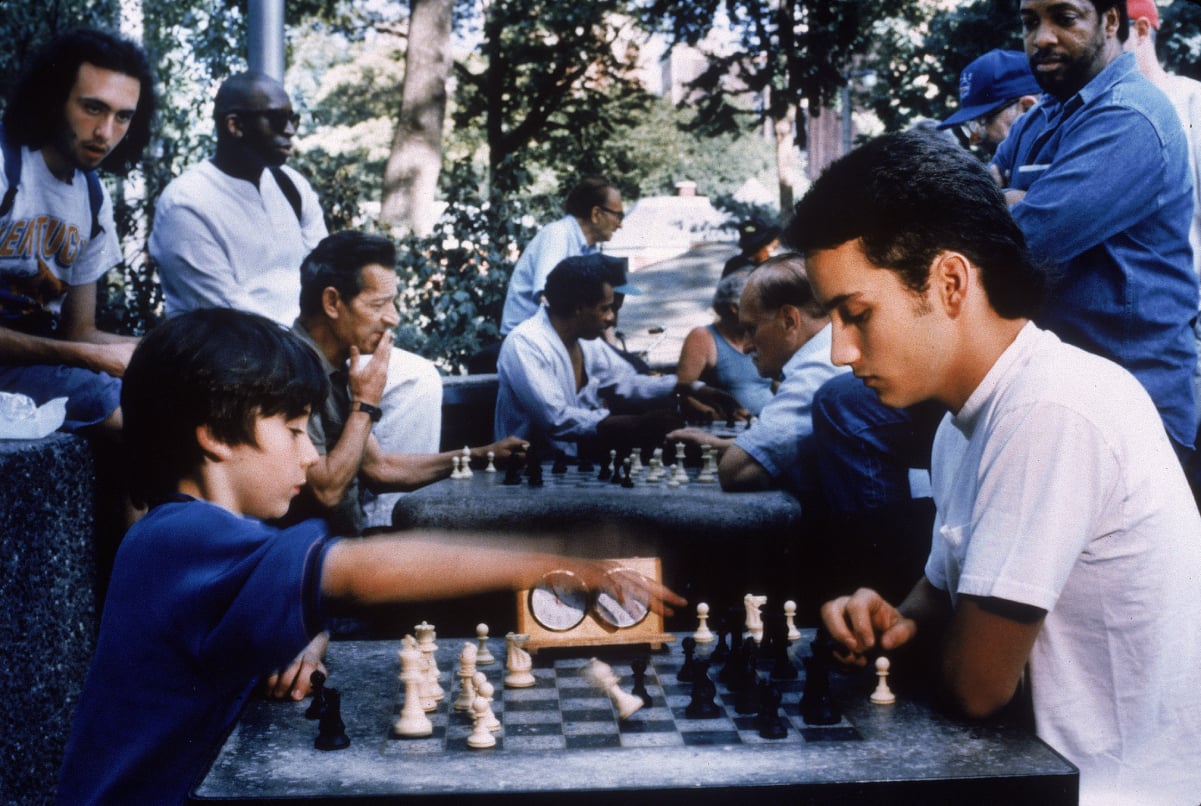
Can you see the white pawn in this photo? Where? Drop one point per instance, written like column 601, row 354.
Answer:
column 455, row 472
column 635, row 463
column 519, row 663
column 491, row 468
column 485, row 691
column 673, row 480
column 602, row 674
column 483, row 657
column 707, row 474
column 465, row 463
column 703, row 634
column 481, row 737
column 467, row 693
column 412, row 722
column 883, row 694
column 790, row 619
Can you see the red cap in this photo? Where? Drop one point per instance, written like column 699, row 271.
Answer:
column 1143, row 8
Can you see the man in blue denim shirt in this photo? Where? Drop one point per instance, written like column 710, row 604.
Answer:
column 1098, row 180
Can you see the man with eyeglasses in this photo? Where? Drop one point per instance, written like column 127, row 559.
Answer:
column 994, row 91
column 594, row 212
column 232, row 231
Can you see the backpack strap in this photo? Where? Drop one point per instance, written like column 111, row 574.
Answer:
column 288, row 187
column 12, row 176
column 12, row 172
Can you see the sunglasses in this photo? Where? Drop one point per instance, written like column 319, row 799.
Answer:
column 277, row 119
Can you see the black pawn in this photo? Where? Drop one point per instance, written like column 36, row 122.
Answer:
column 331, row 731
column 638, row 665
column 513, row 470
column 730, row 671
column 627, row 480
column 318, row 705
column 702, row 706
column 721, row 651
column 817, row 708
column 688, row 669
column 560, row 465
column 605, row 472
column 533, row 471
column 768, row 720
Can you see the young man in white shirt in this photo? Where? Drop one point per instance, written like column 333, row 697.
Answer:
column 1066, row 547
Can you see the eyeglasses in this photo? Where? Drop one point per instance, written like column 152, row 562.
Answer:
column 618, row 214
column 277, row 119
column 976, row 127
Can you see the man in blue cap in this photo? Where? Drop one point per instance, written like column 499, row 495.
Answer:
column 994, row 91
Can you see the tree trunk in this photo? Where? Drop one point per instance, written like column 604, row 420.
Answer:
column 785, row 158
column 411, row 174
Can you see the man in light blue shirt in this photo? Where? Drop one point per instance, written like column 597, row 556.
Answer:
column 594, row 213
column 790, row 338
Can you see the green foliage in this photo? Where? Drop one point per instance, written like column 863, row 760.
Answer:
column 1179, row 38
column 24, row 27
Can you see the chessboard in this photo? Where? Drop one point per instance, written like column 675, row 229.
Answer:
column 560, row 740
column 566, row 711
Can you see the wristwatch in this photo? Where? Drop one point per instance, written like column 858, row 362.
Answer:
column 374, row 412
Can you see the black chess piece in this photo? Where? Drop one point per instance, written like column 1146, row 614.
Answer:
column 746, row 699
column 782, row 665
column 817, row 707
column 512, row 470
column 627, row 481
column 560, row 465
column 533, row 471
column 618, row 464
column 686, row 671
column 638, row 666
column 605, row 471
column 768, row 720
column 733, row 658
column 702, row 706
column 721, row 651
column 318, row 705
column 331, row 731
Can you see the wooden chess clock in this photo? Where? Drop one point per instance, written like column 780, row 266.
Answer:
column 561, row 612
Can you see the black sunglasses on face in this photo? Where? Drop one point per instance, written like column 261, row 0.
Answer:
column 277, row 119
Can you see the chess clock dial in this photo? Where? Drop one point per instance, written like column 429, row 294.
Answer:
column 559, row 601
column 620, row 613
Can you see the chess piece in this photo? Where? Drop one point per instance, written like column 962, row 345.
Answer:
column 331, row 731
column 817, row 708
column 883, row 694
column 768, row 720
column 480, row 737
column 425, row 642
column 702, row 706
column 533, row 471
column 512, row 470
column 519, row 662
column 317, row 706
column 721, row 651
column 485, row 690
column 491, row 468
column 413, row 722
column 465, row 464
column 703, row 634
column 782, row 666
column 456, row 471
column 627, row 478
column 605, row 470
column 686, row 671
column 708, row 473
column 602, row 674
column 467, row 692
column 790, row 619
column 754, row 616
column 638, row 666
column 483, row 657
column 560, row 465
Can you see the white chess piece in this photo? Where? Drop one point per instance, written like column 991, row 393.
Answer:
column 480, row 737
column 455, row 472
column 412, row 722
column 519, row 662
column 483, row 657
column 602, row 674
column 465, row 463
column 707, row 474
column 681, row 475
column 635, row 463
column 485, row 690
column 703, row 634
column 673, row 480
column 883, row 694
column 790, row 619
column 467, row 693
column 754, row 615
column 425, row 642
column 491, row 468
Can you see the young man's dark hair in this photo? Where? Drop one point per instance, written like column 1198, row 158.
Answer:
column 591, row 192
column 239, row 367
column 574, row 282
column 34, row 116
column 903, row 219
column 335, row 263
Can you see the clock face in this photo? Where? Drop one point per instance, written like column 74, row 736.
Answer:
column 560, row 601
column 626, row 611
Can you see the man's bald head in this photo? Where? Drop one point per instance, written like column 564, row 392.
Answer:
column 248, row 91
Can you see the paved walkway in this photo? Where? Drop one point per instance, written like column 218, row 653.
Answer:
column 676, row 296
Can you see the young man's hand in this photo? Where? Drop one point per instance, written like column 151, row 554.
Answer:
column 864, row 621
column 294, row 682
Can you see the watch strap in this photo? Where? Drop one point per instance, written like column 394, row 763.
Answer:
column 374, row 412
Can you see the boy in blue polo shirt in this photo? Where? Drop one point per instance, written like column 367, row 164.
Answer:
column 205, row 597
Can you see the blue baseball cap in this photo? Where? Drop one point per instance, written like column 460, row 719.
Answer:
column 990, row 82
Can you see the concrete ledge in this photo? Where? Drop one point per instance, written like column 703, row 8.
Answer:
column 49, row 605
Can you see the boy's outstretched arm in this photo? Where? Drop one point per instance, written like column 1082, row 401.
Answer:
column 435, row 565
